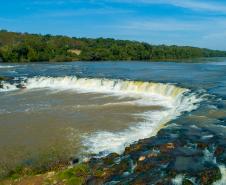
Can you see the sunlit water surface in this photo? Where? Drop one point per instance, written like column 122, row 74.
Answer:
column 81, row 108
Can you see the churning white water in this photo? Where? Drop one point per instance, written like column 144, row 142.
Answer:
column 6, row 66
column 176, row 100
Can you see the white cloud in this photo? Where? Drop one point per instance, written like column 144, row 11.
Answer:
column 198, row 5
column 173, row 24
column 200, row 33
column 188, row 4
column 165, row 25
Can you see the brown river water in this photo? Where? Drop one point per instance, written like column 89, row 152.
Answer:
column 58, row 111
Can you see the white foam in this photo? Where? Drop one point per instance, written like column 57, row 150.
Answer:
column 6, row 66
column 8, row 87
column 209, row 157
column 104, row 85
column 107, row 142
column 222, row 181
column 218, row 63
column 178, row 180
column 175, row 99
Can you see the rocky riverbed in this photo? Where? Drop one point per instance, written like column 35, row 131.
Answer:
column 169, row 158
column 190, row 149
column 174, row 156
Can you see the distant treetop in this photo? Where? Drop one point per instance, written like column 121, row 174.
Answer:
column 24, row 47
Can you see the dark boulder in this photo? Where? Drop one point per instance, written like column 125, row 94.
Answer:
column 21, row 86
column 209, row 176
column 5, row 78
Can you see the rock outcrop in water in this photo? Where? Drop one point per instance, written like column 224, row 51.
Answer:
column 164, row 159
column 3, row 78
column 9, row 83
column 174, row 156
column 187, row 151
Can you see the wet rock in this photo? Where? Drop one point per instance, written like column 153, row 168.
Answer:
column 4, row 78
column 158, row 160
column 143, row 166
column 110, row 159
column 220, row 154
column 113, row 172
column 94, row 181
column 21, row 86
column 139, row 182
column 202, row 146
column 167, row 147
column 191, row 164
column 208, row 176
column 152, row 155
column 133, row 148
column 187, row 151
column 135, row 155
column 142, row 158
column 219, row 150
column 152, row 176
column 74, row 161
column 123, row 166
column 187, row 182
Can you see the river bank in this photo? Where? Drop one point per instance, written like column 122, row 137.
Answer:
column 173, row 156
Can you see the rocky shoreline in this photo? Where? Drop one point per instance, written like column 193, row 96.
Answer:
column 161, row 160
column 185, row 151
column 174, row 156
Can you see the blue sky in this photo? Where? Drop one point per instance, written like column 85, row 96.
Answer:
column 199, row 23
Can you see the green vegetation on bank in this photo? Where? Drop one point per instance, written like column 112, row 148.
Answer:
column 24, row 47
column 72, row 175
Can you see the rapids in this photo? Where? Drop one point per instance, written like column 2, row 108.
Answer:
column 99, row 108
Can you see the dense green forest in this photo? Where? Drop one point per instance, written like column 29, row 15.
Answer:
column 24, row 47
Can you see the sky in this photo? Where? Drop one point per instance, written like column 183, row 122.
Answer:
column 200, row 23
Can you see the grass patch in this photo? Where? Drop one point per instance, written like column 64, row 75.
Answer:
column 19, row 172
column 76, row 175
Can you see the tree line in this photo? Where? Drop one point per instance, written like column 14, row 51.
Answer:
column 24, row 47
